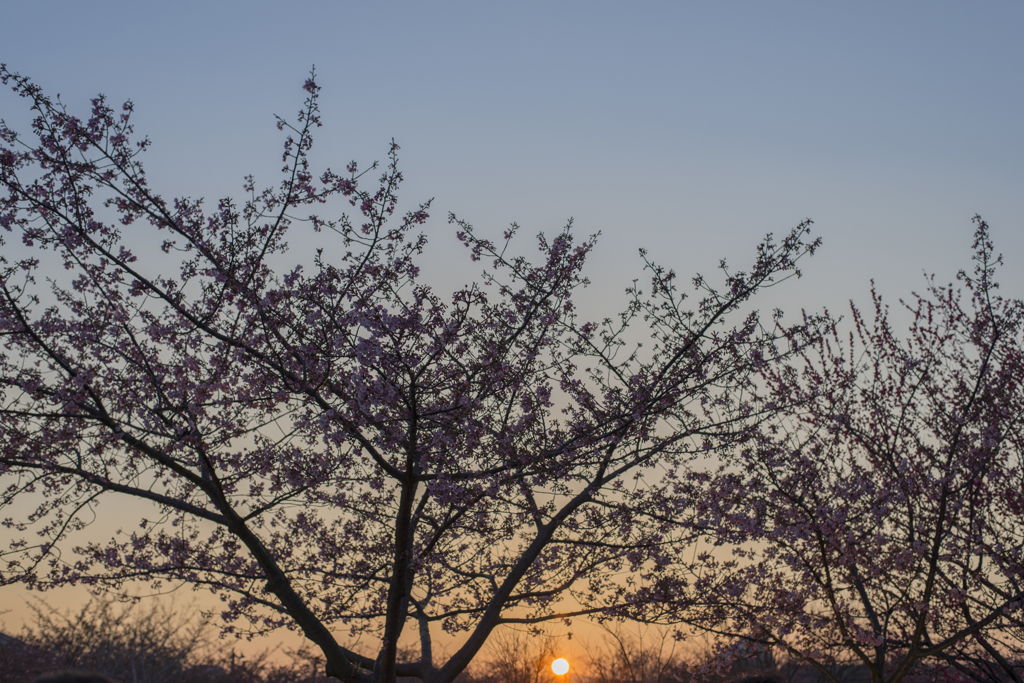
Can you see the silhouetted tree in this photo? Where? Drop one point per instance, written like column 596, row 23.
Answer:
column 325, row 442
column 880, row 520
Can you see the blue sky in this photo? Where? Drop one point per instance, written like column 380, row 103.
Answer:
column 688, row 128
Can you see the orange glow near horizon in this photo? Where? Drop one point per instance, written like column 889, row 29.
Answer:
column 560, row 666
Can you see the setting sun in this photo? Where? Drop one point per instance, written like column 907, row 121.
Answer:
column 560, row 666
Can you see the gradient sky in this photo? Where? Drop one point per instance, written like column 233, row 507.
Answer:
column 690, row 129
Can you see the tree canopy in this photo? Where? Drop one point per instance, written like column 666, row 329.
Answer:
column 882, row 511
column 325, row 441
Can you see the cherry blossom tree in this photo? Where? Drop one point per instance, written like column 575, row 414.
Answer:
column 323, row 440
column 880, row 520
